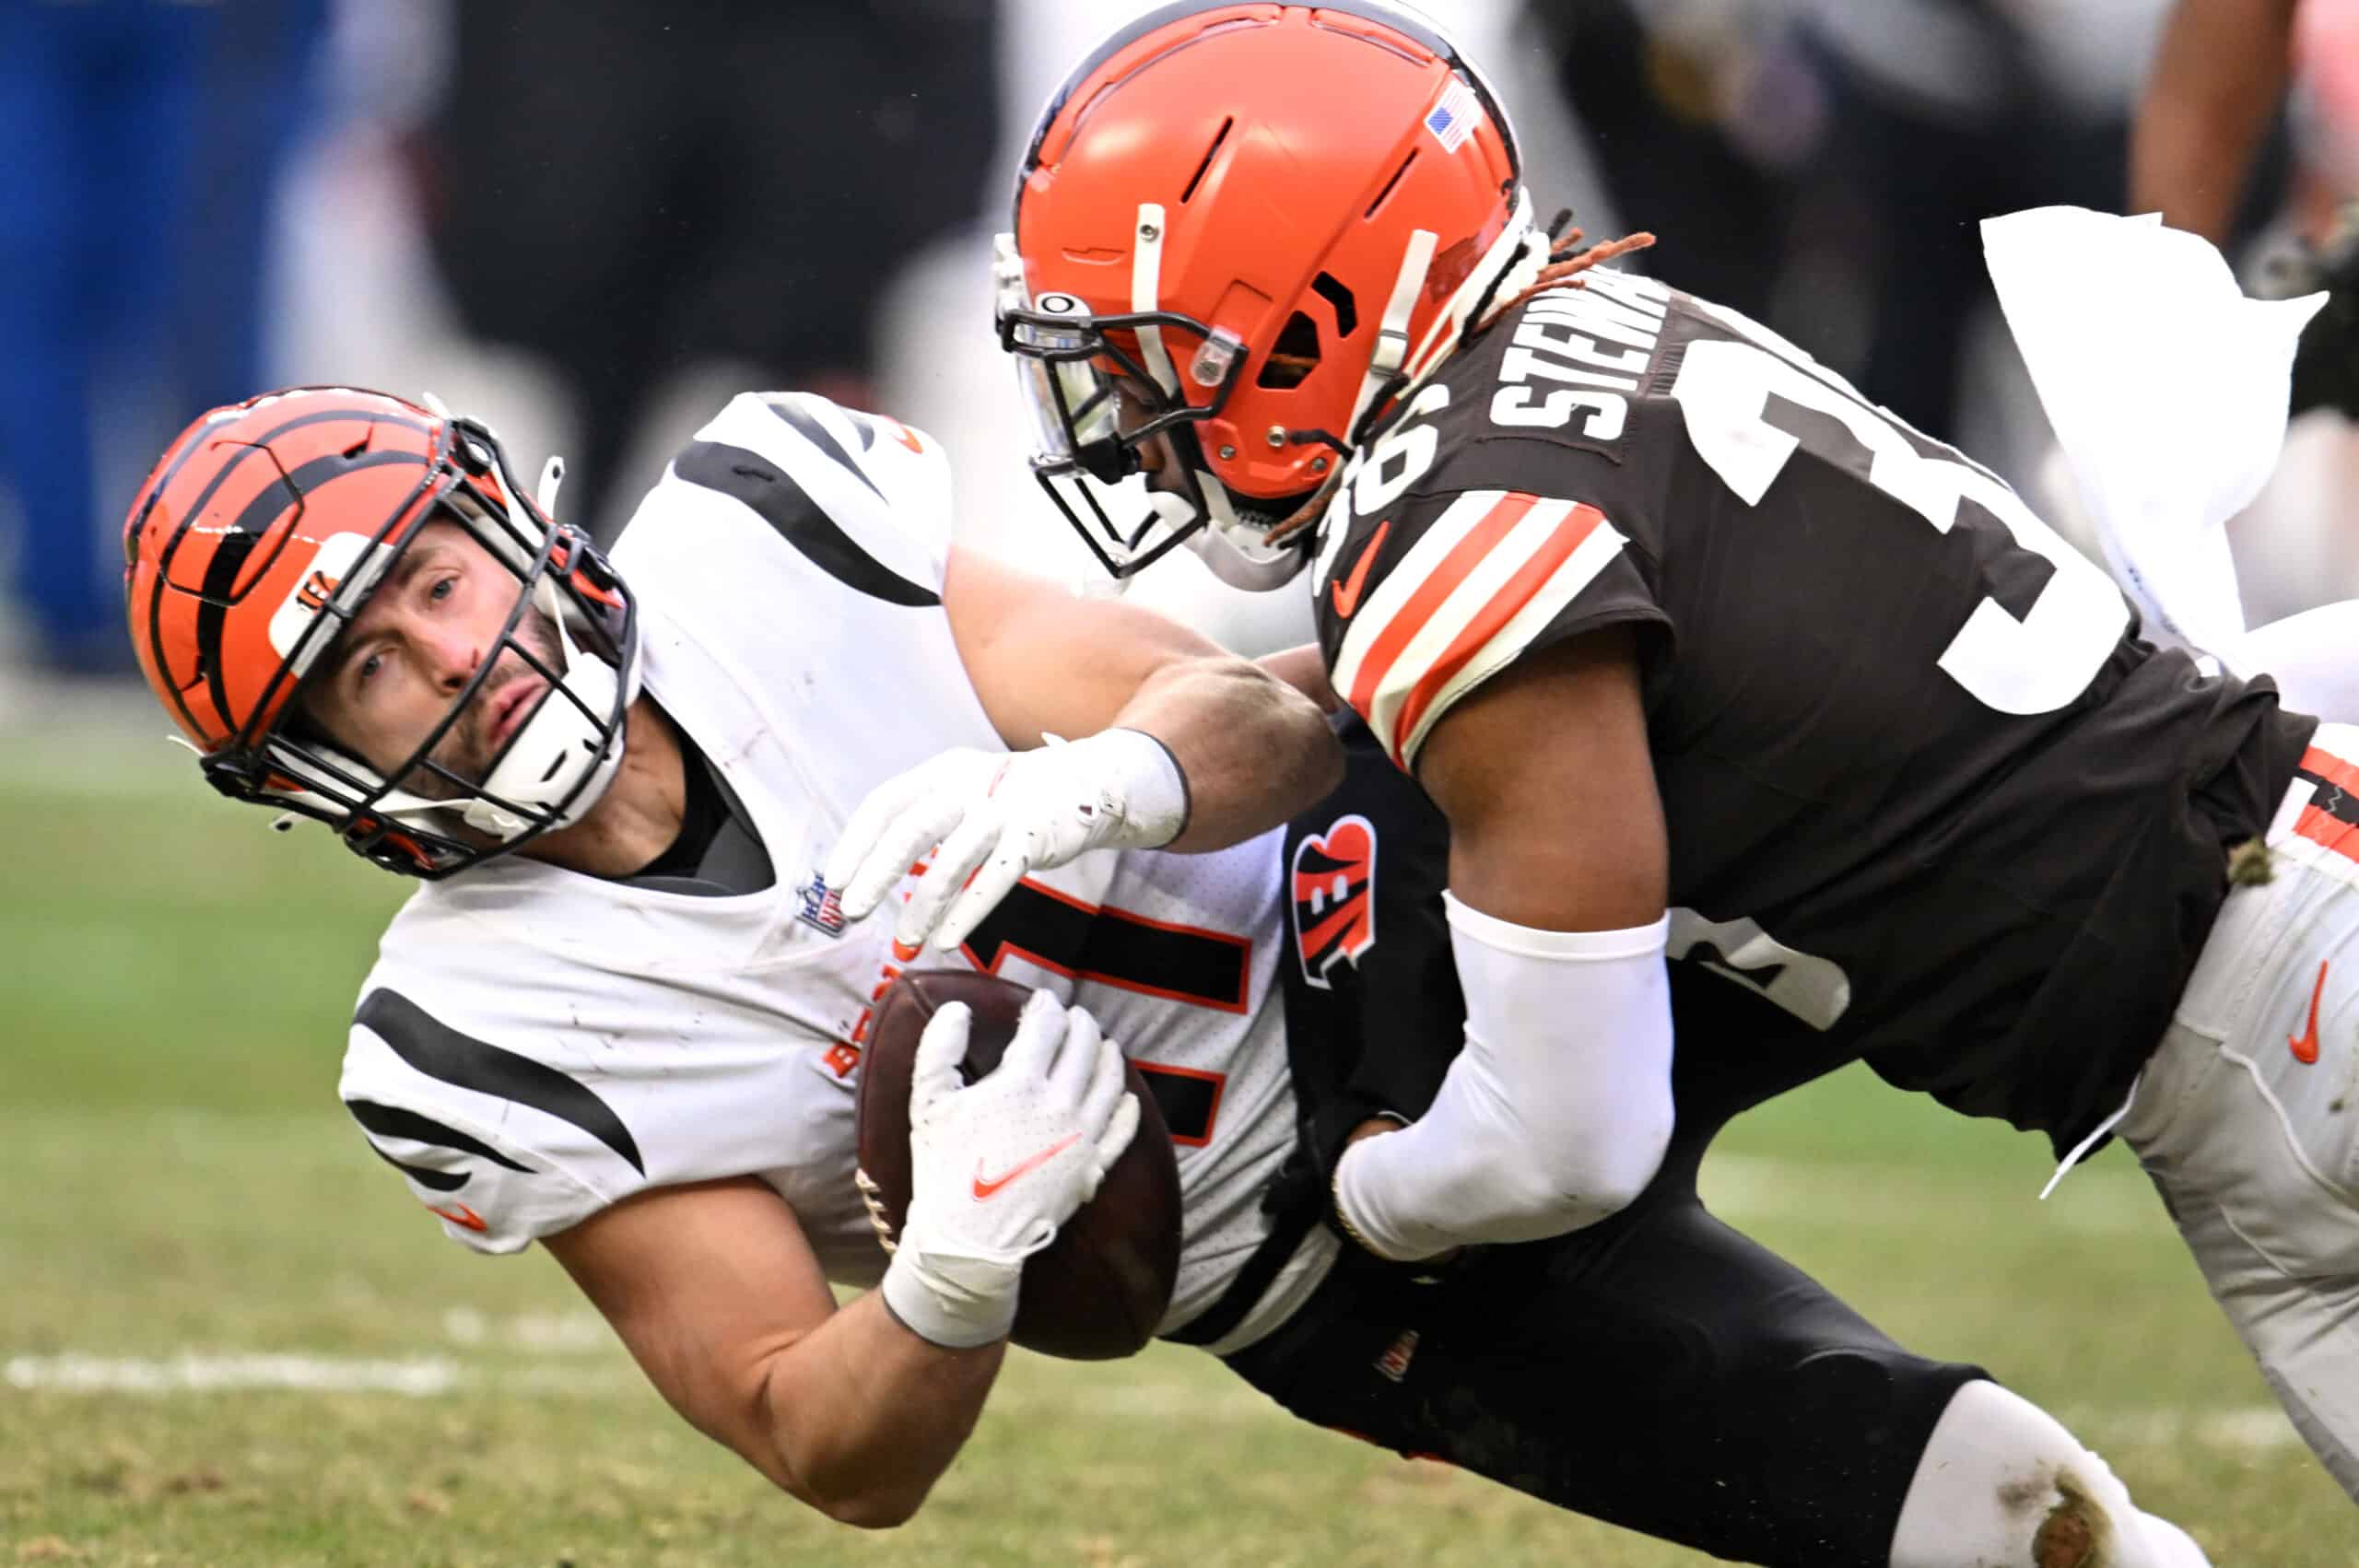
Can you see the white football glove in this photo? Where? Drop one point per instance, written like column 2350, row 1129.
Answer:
column 1000, row 817
column 997, row 1165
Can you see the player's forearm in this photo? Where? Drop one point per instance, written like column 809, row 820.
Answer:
column 1554, row 1114
column 865, row 1415
column 1305, row 668
column 1254, row 751
column 2219, row 76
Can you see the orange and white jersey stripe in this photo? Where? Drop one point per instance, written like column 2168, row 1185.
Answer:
column 1484, row 581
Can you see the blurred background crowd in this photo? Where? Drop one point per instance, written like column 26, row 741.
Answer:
column 589, row 221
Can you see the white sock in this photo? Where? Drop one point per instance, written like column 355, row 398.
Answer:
column 2001, row 1484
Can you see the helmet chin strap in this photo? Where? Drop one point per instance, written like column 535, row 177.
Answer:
column 1234, row 551
column 557, row 746
column 1393, row 332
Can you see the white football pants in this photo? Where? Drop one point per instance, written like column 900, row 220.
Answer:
column 2247, row 1116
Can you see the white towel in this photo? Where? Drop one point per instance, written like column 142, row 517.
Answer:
column 2166, row 389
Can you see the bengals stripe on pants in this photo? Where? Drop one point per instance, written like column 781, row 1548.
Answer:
column 2332, row 817
column 1490, row 574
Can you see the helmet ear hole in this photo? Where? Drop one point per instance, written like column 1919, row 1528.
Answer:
column 1293, row 356
column 1330, row 287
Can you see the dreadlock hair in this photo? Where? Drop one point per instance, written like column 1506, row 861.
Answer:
column 1567, row 260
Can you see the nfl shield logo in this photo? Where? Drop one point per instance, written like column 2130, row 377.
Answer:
column 822, row 908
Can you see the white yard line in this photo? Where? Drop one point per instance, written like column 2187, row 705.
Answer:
column 2249, row 1428
column 193, row 1372
column 2243, row 1429
column 2092, row 1201
column 198, row 1372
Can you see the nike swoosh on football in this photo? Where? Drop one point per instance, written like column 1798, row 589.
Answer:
column 1347, row 593
column 2305, row 1045
column 987, row 1185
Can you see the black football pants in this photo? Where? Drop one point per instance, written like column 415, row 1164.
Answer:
column 1657, row 1371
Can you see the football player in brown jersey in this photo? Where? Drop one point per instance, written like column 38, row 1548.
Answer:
column 1701, row 658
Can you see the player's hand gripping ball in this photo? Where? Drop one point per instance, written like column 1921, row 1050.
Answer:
column 1098, row 1291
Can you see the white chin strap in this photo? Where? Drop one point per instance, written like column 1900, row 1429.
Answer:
column 1393, row 332
column 558, row 747
column 1234, row 551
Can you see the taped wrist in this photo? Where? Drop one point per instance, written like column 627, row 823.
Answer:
column 1556, row 1112
column 1146, row 782
column 956, row 1303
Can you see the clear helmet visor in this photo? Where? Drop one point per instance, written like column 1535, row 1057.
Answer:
column 1080, row 381
column 1070, row 397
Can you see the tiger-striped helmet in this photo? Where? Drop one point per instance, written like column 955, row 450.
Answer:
column 261, row 535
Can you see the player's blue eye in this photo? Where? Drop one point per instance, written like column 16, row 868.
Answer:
column 366, row 668
column 442, row 588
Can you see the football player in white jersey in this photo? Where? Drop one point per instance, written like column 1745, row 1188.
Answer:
column 622, row 1014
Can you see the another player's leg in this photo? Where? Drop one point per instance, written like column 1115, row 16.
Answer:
column 1665, row 1374
column 2247, row 1116
column 2001, row 1480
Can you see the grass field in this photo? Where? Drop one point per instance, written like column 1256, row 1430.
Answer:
column 228, row 1336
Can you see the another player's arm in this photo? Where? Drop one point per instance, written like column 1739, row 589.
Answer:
column 719, row 1297
column 1556, row 1112
column 1545, row 774
column 2218, row 78
column 1253, row 749
column 1305, row 668
column 1183, row 746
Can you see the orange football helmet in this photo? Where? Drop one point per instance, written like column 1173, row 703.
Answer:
column 261, row 534
column 1267, row 220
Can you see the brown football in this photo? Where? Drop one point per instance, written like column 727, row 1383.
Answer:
column 1098, row 1291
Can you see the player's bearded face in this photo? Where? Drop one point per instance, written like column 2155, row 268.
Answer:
column 392, row 677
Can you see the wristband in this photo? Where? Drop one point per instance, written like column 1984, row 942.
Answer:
column 1152, row 789
column 956, row 1303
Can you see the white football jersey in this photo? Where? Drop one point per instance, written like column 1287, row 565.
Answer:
column 533, row 1044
